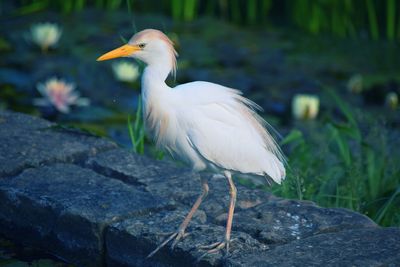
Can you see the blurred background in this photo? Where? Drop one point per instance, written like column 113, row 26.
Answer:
column 326, row 72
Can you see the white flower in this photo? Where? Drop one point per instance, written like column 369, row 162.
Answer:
column 125, row 71
column 355, row 84
column 305, row 106
column 392, row 100
column 59, row 94
column 45, row 35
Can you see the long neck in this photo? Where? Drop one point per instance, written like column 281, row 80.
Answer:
column 159, row 65
column 154, row 87
column 153, row 78
column 155, row 96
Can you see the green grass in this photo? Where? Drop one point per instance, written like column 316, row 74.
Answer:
column 137, row 135
column 342, row 18
column 341, row 164
column 136, row 130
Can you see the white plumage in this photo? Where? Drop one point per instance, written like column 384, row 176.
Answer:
column 213, row 126
column 207, row 125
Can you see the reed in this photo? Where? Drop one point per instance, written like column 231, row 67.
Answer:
column 390, row 19
column 344, row 18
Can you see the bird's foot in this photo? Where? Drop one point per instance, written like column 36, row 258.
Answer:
column 177, row 235
column 214, row 248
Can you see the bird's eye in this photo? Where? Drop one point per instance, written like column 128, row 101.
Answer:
column 141, row 46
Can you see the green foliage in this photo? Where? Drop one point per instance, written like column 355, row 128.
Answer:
column 343, row 18
column 346, row 17
column 137, row 135
column 184, row 9
column 342, row 166
column 373, row 21
column 136, row 130
column 390, row 19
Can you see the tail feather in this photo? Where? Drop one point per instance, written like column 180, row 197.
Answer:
column 275, row 169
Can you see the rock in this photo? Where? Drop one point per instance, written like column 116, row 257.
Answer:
column 281, row 221
column 133, row 168
column 370, row 246
column 30, row 142
column 21, row 122
column 258, row 213
column 130, row 241
column 64, row 209
column 263, row 217
column 158, row 177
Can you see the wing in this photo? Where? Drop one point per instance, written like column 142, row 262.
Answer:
column 224, row 129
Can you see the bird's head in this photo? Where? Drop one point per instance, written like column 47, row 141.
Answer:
column 150, row 46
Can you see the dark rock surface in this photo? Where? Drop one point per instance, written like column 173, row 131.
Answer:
column 69, row 207
column 30, row 142
column 356, row 247
column 84, row 200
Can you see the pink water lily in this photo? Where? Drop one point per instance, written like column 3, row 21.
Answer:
column 60, row 94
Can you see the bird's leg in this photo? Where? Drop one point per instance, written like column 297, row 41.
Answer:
column 233, row 193
column 181, row 230
column 215, row 247
column 196, row 205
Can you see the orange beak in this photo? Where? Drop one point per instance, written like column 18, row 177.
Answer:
column 122, row 51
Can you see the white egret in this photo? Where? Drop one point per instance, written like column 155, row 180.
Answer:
column 207, row 125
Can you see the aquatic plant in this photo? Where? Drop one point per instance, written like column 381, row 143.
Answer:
column 355, row 84
column 392, row 100
column 125, row 71
column 305, row 107
column 59, row 94
column 45, row 35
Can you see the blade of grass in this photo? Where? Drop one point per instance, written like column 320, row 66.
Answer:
column 251, row 11
column 299, row 188
column 342, row 144
column 131, row 134
column 265, row 8
column 293, row 136
column 32, row 8
column 139, row 128
column 382, row 211
column 79, row 5
column 176, row 9
column 235, row 12
column 354, row 130
column 373, row 21
column 129, row 6
column 189, row 10
column 138, row 115
column 390, row 19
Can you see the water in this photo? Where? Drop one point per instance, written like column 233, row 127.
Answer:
column 13, row 255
